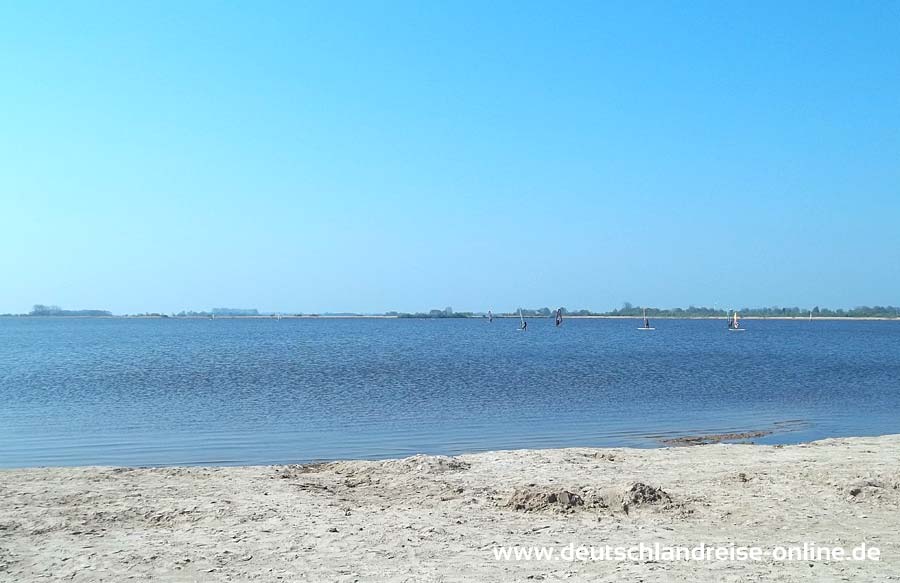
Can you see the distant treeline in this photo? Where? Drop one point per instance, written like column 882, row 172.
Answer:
column 215, row 312
column 770, row 312
column 42, row 310
column 235, row 312
column 629, row 310
column 445, row 313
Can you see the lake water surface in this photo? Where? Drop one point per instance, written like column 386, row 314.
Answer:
column 259, row 391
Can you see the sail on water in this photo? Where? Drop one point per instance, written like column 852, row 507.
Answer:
column 646, row 324
column 734, row 324
column 558, row 317
column 522, row 318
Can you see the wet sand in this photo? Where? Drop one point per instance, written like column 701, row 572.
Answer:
column 439, row 519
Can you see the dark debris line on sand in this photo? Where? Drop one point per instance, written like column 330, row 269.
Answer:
column 714, row 438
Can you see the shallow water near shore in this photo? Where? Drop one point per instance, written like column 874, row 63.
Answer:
column 259, row 391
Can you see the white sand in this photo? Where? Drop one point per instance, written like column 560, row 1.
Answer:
column 437, row 519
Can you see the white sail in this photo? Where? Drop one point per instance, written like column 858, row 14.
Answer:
column 645, row 325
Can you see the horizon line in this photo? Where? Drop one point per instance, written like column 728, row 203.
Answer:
column 627, row 309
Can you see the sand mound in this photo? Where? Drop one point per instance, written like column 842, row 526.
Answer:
column 426, row 464
column 874, row 489
column 640, row 494
column 535, row 499
column 294, row 470
column 637, row 495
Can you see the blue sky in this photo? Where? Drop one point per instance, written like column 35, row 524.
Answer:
column 409, row 155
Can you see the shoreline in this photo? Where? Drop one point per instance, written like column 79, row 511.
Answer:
column 496, row 317
column 437, row 518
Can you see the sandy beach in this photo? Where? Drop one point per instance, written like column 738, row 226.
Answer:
column 430, row 518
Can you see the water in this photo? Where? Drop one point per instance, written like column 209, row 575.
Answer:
column 258, row 391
